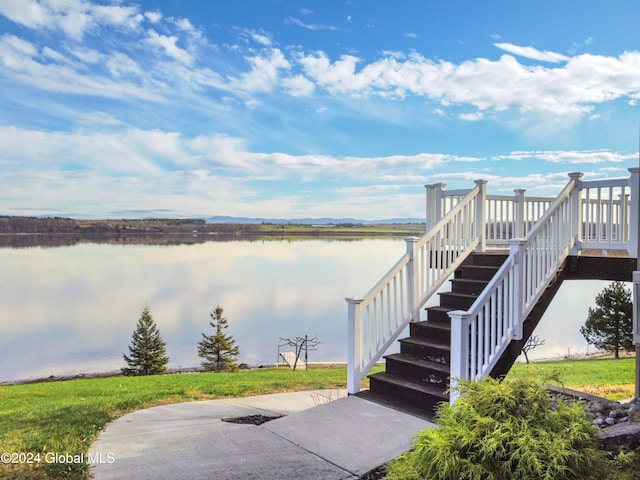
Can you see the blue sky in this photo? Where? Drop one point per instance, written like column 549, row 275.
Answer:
column 307, row 108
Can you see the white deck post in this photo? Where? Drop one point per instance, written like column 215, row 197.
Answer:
column 459, row 363
column 518, row 214
column 516, row 246
column 481, row 215
column 434, row 203
column 354, row 351
column 430, row 207
column 634, row 215
column 576, row 212
column 412, row 277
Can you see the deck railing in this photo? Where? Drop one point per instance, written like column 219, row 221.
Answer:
column 480, row 335
column 539, row 232
column 377, row 319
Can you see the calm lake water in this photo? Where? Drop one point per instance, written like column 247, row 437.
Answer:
column 72, row 309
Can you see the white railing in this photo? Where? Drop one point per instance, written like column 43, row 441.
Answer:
column 540, row 233
column 377, row 319
column 507, row 216
column 480, row 335
column 605, row 214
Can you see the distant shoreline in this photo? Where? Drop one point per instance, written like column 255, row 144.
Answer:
column 22, row 226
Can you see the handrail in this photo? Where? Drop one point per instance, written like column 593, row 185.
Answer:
column 377, row 319
column 480, row 335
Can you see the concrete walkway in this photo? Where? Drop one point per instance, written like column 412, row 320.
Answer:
column 323, row 435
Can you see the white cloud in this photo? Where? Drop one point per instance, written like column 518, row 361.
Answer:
column 572, row 157
column 264, row 73
column 73, row 17
column 471, row 117
column 19, row 59
column 154, row 16
column 309, row 26
column 569, row 90
column 532, row 53
column 298, row 86
column 101, row 173
column 168, row 45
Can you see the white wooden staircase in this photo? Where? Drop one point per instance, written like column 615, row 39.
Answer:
column 504, row 258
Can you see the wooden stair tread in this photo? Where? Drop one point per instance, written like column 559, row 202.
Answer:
column 396, row 404
column 406, row 382
column 419, row 362
column 437, row 325
column 422, row 342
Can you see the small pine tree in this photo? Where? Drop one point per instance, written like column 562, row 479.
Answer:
column 609, row 326
column 147, row 352
column 218, row 350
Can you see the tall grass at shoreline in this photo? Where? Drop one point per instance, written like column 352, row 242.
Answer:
column 65, row 417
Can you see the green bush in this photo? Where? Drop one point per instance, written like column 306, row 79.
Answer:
column 508, row 430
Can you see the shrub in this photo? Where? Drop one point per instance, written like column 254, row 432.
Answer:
column 504, row 430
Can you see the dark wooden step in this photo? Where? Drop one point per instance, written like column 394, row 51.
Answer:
column 427, row 349
column 475, row 272
column 418, row 394
column 456, row 301
column 468, row 286
column 418, row 369
column 490, row 259
column 434, row 331
column 417, row 378
column 438, row 314
column 396, row 403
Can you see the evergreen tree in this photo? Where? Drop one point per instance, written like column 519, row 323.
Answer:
column 147, row 352
column 609, row 326
column 218, row 350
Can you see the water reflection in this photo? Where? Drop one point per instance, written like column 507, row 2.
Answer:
column 72, row 309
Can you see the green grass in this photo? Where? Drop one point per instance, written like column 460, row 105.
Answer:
column 610, row 378
column 65, row 417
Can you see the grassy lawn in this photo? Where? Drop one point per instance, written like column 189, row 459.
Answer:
column 65, row 417
column 607, row 377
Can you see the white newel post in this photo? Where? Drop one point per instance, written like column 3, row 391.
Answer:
column 516, row 246
column 354, row 352
column 481, row 215
column 430, row 207
column 412, row 278
column 518, row 214
column 434, row 204
column 634, row 215
column 459, row 362
column 576, row 211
